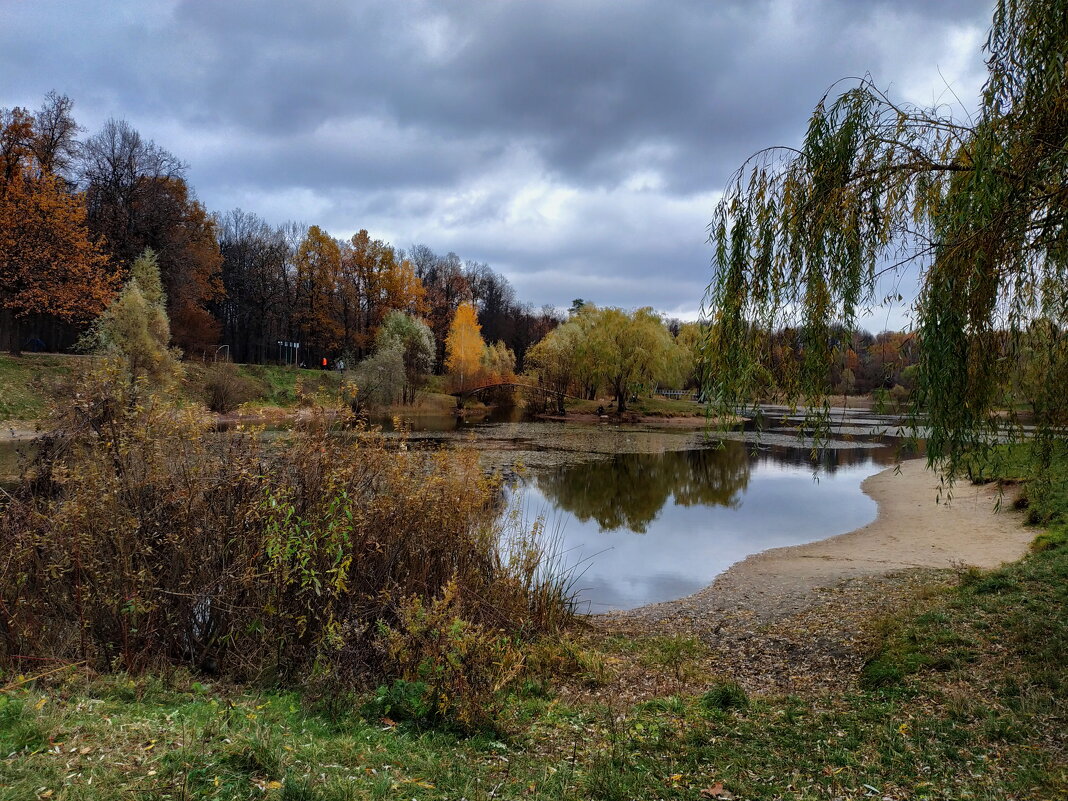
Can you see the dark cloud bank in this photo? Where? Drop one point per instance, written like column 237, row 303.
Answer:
column 578, row 147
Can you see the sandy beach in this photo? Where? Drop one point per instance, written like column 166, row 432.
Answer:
column 794, row 618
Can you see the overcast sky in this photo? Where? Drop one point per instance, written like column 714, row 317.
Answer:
column 577, row 147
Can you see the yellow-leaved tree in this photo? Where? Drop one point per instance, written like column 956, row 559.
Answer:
column 464, row 347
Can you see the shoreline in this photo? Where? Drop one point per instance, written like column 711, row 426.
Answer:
column 912, row 531
column 692, row 421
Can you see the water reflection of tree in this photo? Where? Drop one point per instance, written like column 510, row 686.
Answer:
column 629, row 490
column 831, row 460
column 827, row 460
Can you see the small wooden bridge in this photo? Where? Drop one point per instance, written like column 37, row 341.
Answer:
column 463, row 395
column 680, row 394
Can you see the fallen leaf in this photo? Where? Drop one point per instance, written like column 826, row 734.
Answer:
column 717, row 791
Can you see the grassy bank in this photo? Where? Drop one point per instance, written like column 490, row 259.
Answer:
column 31, row 382
column 653, row 406
column 28, row 382
column 965, row 700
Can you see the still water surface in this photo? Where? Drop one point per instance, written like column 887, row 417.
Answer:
column 643, row 528
column 645, row 514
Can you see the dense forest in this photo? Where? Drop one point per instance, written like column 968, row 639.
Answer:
column 75, row 212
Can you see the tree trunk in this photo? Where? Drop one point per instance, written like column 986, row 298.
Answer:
column 13, row 326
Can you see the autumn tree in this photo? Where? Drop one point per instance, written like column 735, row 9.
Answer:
column 498, row 363
column 138, row 198
column 373, row 282
column 463, row 347
column 568, row 358
column 693, row 341
column 495, row 300
column 412, row 338
column 446, row 288
column 554, row 361
column 315, row 313
column 119, row 170
column 379, row 378
column 191, row 266
column 448, row 282
column 54, row 142
column 502, row 317
column 399, row 289
column 633, row 350
column 981, row 205
column 254, row 311
column 49, row 265
column 135, row 326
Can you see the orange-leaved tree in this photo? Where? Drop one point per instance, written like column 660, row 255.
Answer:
column 372, row 284
column 464, row 347
column 315, row 312
column 401, row 290
column 48, row 263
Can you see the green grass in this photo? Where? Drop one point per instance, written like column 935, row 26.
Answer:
column 28, row 382
column 964, row 728
column 279, row 383
column 964, row 698
column 269, row 385
column 121, row 738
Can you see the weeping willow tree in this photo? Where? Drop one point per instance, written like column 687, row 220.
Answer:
column 807, row 238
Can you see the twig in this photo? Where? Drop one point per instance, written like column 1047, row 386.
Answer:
column 37, row 676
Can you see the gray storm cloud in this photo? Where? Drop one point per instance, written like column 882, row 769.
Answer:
column 576, row 146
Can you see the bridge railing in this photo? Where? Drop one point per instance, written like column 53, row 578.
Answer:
column 679, row 394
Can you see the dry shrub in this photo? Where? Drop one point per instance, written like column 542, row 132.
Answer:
column 140, row 537
column 224, row 388
column 314, row 389
column 448, row 667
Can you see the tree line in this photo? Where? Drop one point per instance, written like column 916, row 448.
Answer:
column 76, row 212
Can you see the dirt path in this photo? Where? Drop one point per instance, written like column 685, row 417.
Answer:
column 793, row 616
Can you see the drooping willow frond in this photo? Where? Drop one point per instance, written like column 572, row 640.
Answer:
column 802, row 236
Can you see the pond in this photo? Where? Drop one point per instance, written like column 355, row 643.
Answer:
column 642, row 514
column 643, row 528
